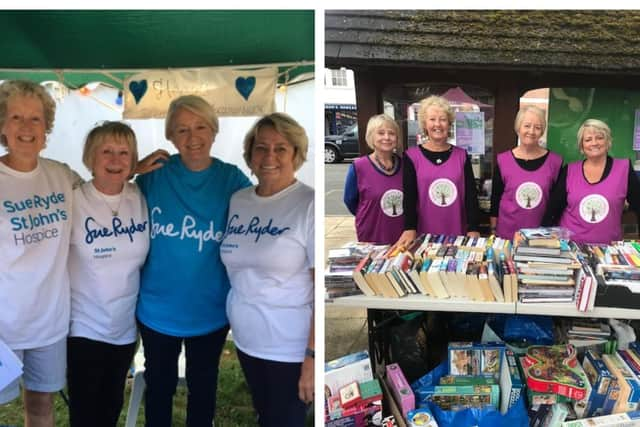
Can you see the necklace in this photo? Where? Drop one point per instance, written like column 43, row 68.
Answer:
column 382, row 166
column 114, row 212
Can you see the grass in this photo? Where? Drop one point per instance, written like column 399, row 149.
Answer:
column 233, row 408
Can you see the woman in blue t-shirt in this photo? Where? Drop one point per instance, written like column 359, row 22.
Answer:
column 184, row 285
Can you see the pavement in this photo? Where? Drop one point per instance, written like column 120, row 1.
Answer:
column 345, row 328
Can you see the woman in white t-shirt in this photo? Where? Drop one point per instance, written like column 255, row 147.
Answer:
column 35, row 215
column 268, row 252
column 109, row 243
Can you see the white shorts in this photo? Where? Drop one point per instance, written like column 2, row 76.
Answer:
column 44, row 370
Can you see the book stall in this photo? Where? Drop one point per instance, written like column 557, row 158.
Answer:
column 486, row 331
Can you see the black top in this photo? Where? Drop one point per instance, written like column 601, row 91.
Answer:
column 558, row 200
column 410, row 189
column 497, row 184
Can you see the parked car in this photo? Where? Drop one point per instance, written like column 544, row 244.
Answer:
column 339, row 147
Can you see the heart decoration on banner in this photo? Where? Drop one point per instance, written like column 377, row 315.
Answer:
column 245, row 86
column 138, row 89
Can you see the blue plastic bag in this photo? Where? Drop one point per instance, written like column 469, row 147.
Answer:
column 516, row 416
column 523, row 329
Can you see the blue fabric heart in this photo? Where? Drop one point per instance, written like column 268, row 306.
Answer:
column 138, row 89
column 245, row 86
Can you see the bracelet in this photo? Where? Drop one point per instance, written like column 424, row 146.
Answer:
column 310, row 353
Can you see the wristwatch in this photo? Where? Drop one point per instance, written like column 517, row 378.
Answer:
column 310, row 353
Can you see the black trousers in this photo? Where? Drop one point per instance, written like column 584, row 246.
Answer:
column 274, row 391
column 96, row 374
column 161, row 354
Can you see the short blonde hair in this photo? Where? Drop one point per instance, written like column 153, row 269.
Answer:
column 97, row 136
column 12, row 88
column 597, row 125
column 375, row 123
column 286, row 126
column 195, row 104
column 438, row 102
column 539, row 112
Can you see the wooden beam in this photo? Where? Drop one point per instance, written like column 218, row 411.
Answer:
column 369, row 102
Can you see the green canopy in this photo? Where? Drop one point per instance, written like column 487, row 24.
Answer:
column 82, row 46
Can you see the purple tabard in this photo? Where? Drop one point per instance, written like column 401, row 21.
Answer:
column 526, row 193
column 440, row 193
column 379, row 216
column 594, row 211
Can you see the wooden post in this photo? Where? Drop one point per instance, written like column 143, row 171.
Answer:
column 368, row 101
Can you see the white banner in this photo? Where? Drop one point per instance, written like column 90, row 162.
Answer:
column 230, row 92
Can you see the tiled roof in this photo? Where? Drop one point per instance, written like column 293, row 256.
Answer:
column 555, row 40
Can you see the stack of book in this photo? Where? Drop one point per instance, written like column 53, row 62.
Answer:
column 588, row 334
column 438, row 266
column 618, row 264
column 338, row 276
column 545, row 266
column 586, row 283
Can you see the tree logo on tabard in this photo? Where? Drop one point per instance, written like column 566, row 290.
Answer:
column 391, row 203
column 594, row 208
column 443, row 192
column 528, row 195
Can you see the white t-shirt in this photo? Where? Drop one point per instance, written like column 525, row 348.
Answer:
column 35, row 224
column 105, row 258
column 268, row 251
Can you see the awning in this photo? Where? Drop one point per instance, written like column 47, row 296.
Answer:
column 82, row 46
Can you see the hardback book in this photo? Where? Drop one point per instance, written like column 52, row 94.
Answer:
column 514, row 279
column 494, row 282
column 528, row 299
column 543, row 259
column 445, row 269
column 332, row 293
column 543, row 236
column 434, row 280
column 537, row 250
column 563, row 291
column 506, row 282
column 414, row 274
column 472, row 284
column 424, row 277
column 393, row 276
column 485, row 286
column 540, row 279
column 585, row 327
column 359, row 276
column 560, row 271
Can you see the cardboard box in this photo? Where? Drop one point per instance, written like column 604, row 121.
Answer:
column 400, row 388
column 340, row 372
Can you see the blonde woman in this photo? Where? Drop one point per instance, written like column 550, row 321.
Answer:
column 184, row 285
column 440, row 195
column 268, row 252
column 589, row 196
column 523, row 177
column 373, row 188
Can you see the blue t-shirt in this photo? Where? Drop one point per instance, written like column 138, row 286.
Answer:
column 184, row 285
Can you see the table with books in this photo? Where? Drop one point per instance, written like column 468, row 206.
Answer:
column 540, row 272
